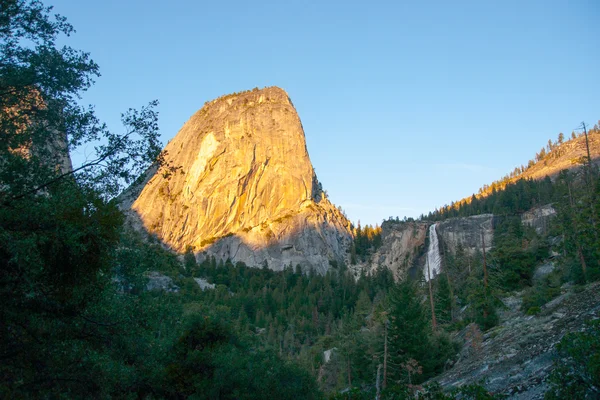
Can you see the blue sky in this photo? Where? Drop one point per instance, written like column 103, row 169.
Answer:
column 406, row 106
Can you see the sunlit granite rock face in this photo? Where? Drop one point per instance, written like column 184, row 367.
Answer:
column 245, row 190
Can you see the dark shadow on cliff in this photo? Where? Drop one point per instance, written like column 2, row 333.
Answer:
column 311, row 246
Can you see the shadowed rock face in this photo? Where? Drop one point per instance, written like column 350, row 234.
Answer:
column 467, row 232
column 539, row 218
column 402, row 245
column 245, row 190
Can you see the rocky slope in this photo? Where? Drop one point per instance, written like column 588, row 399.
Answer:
column 245, row 188
column 516, row 357
column 568, row 155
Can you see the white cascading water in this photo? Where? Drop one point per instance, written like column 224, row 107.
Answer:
column 433, row 255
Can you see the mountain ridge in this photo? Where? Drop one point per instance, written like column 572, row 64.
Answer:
column 555, row 157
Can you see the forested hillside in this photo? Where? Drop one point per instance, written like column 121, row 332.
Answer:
column 522, row 184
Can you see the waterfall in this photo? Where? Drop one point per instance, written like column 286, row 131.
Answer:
column 433, row 255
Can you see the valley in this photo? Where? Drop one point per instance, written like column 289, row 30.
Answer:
column 217, row 266
column 503, row 264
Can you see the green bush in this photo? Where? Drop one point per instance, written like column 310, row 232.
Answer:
column 544, row 291
column 576, row 373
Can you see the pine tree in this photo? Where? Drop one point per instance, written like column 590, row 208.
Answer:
column 409, row 326
column 444, row 302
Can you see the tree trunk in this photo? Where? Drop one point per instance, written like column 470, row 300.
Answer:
column 433, row 320
column 385, row 353
column 349, row 372
column 378, row 395
column 591, row 182
column 451, row 297
column 469, row 257
column 444, row 268
column 575, row 231
column 587, row 146
column 485, row 273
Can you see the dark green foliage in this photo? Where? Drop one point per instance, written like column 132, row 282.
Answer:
column 300, row 308
column 469, row 290
column 516, row 252
column 541, row 293
column 110, row 338
column 67, row 326
column 411, row 337
column 52, row 259
column 444, row 302
column 409, row 323
column 482, row 304
column 300, row 316
column 578, row 207
column 475, row 392
column 211, row 361
column 577, row 369
column 366, row 241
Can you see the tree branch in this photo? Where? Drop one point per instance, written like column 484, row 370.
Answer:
column 93, row 163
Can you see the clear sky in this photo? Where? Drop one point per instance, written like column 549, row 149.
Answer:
column 406, row 106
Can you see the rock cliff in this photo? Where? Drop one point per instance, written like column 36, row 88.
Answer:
column 245, row 188
column 539, row 218
column 467, row 231
column 402, row 244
